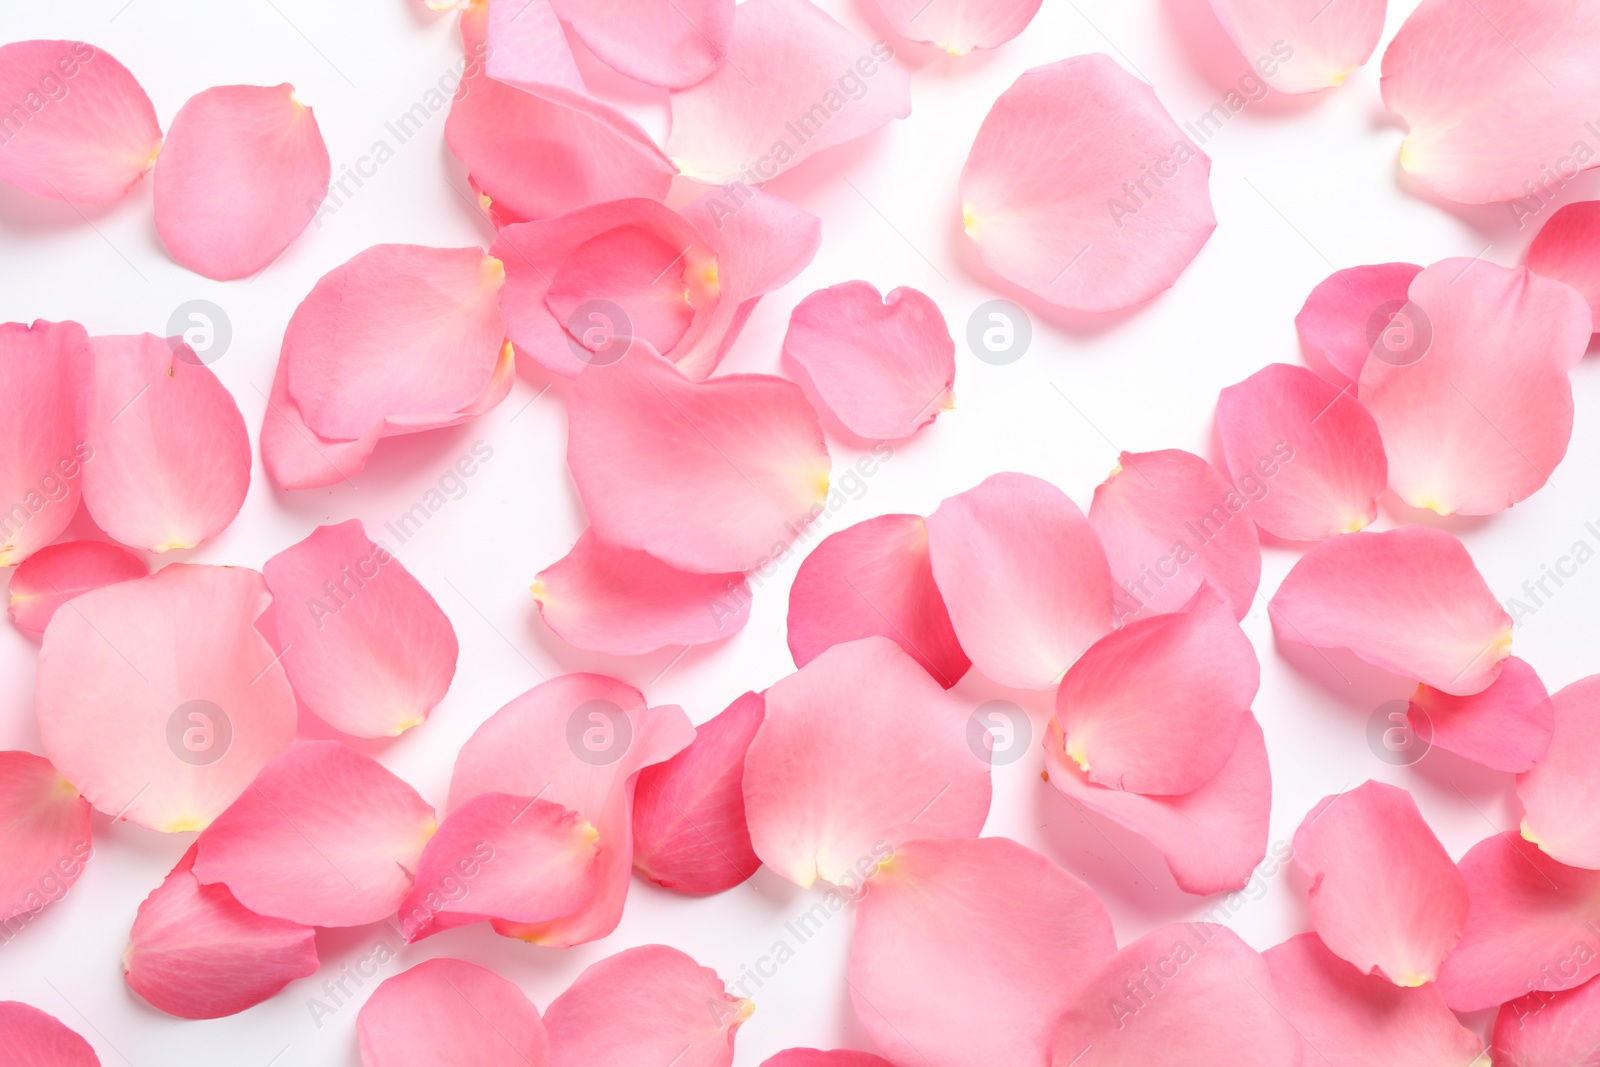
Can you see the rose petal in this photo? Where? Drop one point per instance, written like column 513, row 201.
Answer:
column 32, row 1038
column 671, row 43
column 1323, row 44
column 55, row 574
column 295, row 455
column 44, row 836
column 1567, row 249
column 1080, row 188
column 449, row 1011
column 1347, row 312
column 159, row 699
column 959, row 26
column 41, row 367
column 1550, row 1030
column 810, row 1057
column 1561, row 796
column 1507, row 727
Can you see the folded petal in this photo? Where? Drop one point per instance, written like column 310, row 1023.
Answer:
column 1384, row 893
column 795, row 82
column 197, row 953
column 1350, row 1019
column 651, row 1004
column 810, row 1057
column 883, row 368
column 44, row 835
column 41, row 368
column 1212, row 838
column 296, row 456
column 738, row 462
column 1507, row 727
column 627, row 603
column 1080, row 187
column 32, row 1038
column 1193, row 986
column 366, row 647
column 79, row 127
column 324, row 836
column 1324, row 44
column 671, row 43
column 55, row 574
column 1497, row 95
column 875, row 577
column 1567, row 249
column 860, row 751
column 1561, row 796
column 689, row 827
column 580, row 741
column 968, row 951
column 159, row 699
column 1349, row 311
column 1409, row 600
column 1023, row 576
column 1534, row 926
column 1306, row 454
column 959, row 26
column 1550, row 1029
column 450, row 1011
column 1169, row 521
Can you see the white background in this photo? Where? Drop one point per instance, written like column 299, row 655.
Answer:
column 1300, row 187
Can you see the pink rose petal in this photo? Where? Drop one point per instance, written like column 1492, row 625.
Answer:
column 671, row 43
column 55, row 574
column 1561, row 796
column 959, row 26
column 1567, row 249
column 41, row 370
column 449, row 1011
column 810, row 1057
column 32, row 1038
column 1324, row 44
column 1348, row 312
column 1550, row 1029
column 295, row 455
column 1507, row 727
column 44, row 836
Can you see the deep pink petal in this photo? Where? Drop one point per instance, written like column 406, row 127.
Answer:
column 1561, row 796
column 1567, row 249
column 959, row 26
column 1508, row 726
column 32, row 1038
column 78, row 126
column 44, row 835
column 57, row 573
column 1305, row 453
column 860, row 751
column 1023, row 576
column 671, row 43
column 1323, row 44
column 296, row 456
column 810, row 1057
column 1082, row 189
column 1409, row 600
column 448, row 1011
column 41, row 370
column 324, row 836
column 197, row 953
column 689, row 826
column 1212, row 838
column 366, row 647
column 651, row 1004
column 1550, row 1029
column 967, row 951
column 159, row 699
column 883, row 367
column 874, row 578
column 1348, row 312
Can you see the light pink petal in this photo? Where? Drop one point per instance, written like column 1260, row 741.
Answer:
column 1409, row 600
column 810, row 1057
column 78, row 126
column 626, row 603
column 637, row 267
column 1567, row 249
column 795, row 83
column 500, row 856
column 959, row 26
column 1498, row 96
column 1561, row 796
column 1080, row 187
column 951, row 932
column 57, row 573
column 647, row 1005
column 874, row 578
column 1214, row 1003
column 44, row 835
column 1323, row 44
column 882, row 367
column 1534, row 925
column 1349, row 1019
column 1169, row 521
column 689, row 827
column 1384, row 893
column 1348, row 312
column 1305, row 453
column 860, row 751
column 1157, row 706
column 580, row 741
column 448, row 1011
column 41, row 370
column 296, row 456
column 324, row 836
column 366, row 647
column 1212, row 838
column 32, row 1038
column 1508, row 726
column 1023, row 576
column 738, row 463
column 197, row 953
column 159, row 699
column 1481, row 417
column 671, row 43
column 1550, row 1029
column 243, row 171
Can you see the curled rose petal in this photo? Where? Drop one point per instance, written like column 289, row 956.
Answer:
column 651, row 1004
column 982, row 928
column 1347, row 313
column 197, row 953
column 1561, row 796
column 79, row 127
column 1409, row 600
column 689, row 826
column 41, row 368
column 296, row 456
column 1550, row 1029
column 627, row 603
column 1080, row 188
column 449, row 1011
column 1315, row 47
column 810, row 1057
column 1508, row 726
column 32, row 1038
column 671, row 43
column 244, row 170
column 44, row 836
column 859, row 752
column 959, row 26
column 55, row 574
column 159, row 699
column 1567, row 248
